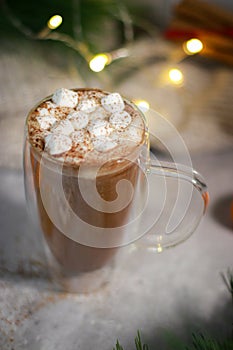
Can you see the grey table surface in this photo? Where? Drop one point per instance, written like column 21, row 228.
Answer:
column 175, row 292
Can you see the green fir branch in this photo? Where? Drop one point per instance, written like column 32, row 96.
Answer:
column 199, row 340
column 138, row 343
column 202, row 342
column 118, row 346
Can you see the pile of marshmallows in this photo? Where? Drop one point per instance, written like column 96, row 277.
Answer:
column 90, row 124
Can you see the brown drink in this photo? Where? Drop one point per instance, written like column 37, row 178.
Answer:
column 84, row 128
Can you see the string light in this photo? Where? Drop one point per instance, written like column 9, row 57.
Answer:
column 159, row 248
column 193, row 46
column 54, row 22
column 98, row 62
column 176, row 76
column 143, row 105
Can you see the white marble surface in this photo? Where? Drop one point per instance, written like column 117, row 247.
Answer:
column 177, row 291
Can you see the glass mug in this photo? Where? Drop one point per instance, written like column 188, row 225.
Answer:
column 87, row 214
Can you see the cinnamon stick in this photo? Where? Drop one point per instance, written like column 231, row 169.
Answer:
column 198, row 18
column 210, row 39
column 216, row 42
column 217, row 55
column 206, row 12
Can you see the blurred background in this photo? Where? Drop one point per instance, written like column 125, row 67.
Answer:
column 172, row 56
column 137, row 48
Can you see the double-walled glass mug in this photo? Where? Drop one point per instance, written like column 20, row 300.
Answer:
column 86, row 213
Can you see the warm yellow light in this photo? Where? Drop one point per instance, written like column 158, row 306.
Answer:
column 98, row 62
column 143, row 105
column 193, row 46
column 54, row 22
column 176, row 76
column 159, row 248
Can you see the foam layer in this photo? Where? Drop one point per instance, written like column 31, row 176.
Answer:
column 92, row 126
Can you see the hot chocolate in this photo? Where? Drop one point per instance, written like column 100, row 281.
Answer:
column 80, row 129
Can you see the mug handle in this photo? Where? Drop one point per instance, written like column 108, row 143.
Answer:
column 155, row 241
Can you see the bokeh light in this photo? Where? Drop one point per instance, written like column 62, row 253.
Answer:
column 98, row 62
column 55, row 21
column 143, row 105
column 193, row 46
column 176, row 76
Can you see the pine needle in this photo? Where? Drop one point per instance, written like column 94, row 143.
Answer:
column 202, row 342
column 138, row 344
column 118, row 346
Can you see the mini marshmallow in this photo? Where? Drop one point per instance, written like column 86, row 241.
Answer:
column 87, row 106
column 56, row 144
column 44, row 112
column 99, row 127
column 50, row 105
column 136, row 129
column 117, row 135
column 64, row 127
column 80, row 136
column 78, row 119
column 120, row 120
column 104, row 144
column 99, row 113
column 65, row 98
column 133, row 133
column 47, row 139
column 113, row 103
column 82, row 148
column 46, row 121
column 49, row 109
